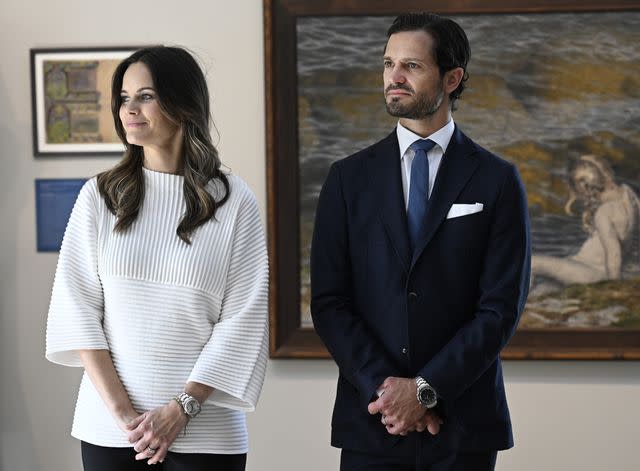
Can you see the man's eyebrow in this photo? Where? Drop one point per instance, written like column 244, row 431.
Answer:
column 405, row 59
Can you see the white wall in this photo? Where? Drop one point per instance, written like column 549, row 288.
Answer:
column 567, row 416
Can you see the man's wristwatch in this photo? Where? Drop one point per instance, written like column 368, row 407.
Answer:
column 189, row 404
column 425, row 393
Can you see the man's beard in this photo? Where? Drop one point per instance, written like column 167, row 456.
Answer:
column 424, row 106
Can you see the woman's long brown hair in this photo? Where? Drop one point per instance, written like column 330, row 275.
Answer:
column 184, row 97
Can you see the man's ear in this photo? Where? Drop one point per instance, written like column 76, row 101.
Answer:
column 452, row 79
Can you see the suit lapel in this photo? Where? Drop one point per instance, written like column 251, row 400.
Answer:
column 384, row 167
column 456, row 168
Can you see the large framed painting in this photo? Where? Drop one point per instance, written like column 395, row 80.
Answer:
column 554, row 87
column 71, row 101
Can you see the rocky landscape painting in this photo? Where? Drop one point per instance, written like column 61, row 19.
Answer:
column 556, row 94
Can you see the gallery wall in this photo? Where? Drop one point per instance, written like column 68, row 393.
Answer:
column 567, row 415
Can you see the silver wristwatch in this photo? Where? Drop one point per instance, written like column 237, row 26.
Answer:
column 426, row 395
column 189, row 404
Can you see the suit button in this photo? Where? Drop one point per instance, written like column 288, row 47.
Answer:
column 404, row 351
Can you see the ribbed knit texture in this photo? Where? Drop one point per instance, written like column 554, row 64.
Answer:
column 167, row 311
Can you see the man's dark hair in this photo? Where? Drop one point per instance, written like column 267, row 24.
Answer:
column 450, row 44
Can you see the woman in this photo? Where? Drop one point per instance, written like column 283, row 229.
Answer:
column 610, row 217
column 161, row 287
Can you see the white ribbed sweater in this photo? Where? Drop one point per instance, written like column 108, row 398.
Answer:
column 167, row 311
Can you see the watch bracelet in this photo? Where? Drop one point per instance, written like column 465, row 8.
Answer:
column 184, row 430
column 420, row 383
column 177, row 399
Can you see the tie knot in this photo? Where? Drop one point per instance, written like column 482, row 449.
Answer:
column 423, row 144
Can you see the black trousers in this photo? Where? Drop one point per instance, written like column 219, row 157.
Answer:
column 98, row 458
column 478, row 461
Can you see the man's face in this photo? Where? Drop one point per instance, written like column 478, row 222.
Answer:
column 413, row 88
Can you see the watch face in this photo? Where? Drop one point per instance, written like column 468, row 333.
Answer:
column 427, row 397
column 191, row 407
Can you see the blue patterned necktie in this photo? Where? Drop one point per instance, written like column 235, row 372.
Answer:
column 418, row 188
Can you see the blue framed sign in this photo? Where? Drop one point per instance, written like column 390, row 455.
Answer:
column 54, row 201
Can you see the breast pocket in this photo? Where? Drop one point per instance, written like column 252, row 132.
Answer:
column 468, row 231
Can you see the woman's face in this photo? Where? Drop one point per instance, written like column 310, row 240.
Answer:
column 142, row 118
column 587, row 181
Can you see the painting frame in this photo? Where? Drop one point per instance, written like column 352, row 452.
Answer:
column 41, row 146
column 288, row 339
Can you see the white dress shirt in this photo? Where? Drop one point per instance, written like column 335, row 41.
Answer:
column 406, row 137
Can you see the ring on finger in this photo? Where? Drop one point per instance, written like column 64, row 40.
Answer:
column 151, row 451
column 384, row 420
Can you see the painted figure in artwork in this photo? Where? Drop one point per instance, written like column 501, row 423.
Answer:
column 611, row 217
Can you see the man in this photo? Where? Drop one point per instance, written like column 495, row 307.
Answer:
column 420, row 269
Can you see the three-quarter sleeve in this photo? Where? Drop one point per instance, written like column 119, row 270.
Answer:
column 76, row 308
column 234, row 359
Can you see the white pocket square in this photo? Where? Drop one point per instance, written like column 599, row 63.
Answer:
column 458, row 210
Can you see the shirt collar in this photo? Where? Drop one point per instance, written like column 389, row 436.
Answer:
column 442, row 137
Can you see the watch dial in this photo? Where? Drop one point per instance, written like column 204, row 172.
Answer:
column 427, row 396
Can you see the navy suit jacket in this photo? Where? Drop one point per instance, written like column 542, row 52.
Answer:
column 443, row 311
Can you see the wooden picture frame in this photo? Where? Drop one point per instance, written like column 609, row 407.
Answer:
column 71, row 101
column 288, row 339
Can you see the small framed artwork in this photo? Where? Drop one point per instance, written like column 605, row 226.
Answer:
column 71, row 99
column 55, row 198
